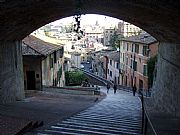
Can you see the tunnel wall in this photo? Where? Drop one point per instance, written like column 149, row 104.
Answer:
column 166, row 89
column 11, row 72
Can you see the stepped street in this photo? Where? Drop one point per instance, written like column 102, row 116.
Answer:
column 117, row 114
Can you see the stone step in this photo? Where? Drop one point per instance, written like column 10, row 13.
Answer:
column 115, row 115
column 51, row 132
column 95, row 126
column 85, row 130
column 60, row 130
column 104, row 125
column 126, row 119
column 105, row 121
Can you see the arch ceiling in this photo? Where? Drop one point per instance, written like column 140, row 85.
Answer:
column 160, row 18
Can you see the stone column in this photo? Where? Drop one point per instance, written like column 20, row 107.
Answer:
column 166, row 89
column 11, row 72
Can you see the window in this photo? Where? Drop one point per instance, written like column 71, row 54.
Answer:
column 123, row 57
column 51, row 62
column 131, row 63
column 123, row 46
column 145, row 70
column 135, row 66
column 126, row 60
column 55, row 57
column 127, row 46
column 136, row 48
column 110, row 73
column 117, row 65
column 145, row 50
column 111, row 62
column 132, row 49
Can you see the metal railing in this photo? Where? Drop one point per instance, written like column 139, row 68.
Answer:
column 147, row 126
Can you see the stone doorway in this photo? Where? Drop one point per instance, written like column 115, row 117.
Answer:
column 31, row 81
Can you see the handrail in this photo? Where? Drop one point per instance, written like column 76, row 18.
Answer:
column 145, row 118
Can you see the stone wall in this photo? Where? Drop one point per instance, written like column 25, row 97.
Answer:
column 11, row 72
column 166, row 89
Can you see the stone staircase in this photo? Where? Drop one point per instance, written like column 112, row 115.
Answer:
column 118, row 114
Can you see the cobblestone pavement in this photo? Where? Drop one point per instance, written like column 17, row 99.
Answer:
column 117, row 114
column 42, row 106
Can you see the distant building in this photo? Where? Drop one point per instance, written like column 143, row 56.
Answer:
column 108, row 33
column 134, row 54
column 113, row 67
column 126, row 29
column 43, row 63
column 93, row 34
column 76, row 59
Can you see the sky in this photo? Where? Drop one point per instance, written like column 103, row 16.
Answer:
column 90, row 19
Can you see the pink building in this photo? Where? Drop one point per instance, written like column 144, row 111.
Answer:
column 135, row 52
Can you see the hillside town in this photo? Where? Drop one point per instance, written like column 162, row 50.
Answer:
column 118, row 53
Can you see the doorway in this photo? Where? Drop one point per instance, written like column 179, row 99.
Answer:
column 140, row 84
column 31, row 85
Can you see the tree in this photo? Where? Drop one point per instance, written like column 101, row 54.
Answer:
column 151, row 70
column 115, row 40
column 74, row 78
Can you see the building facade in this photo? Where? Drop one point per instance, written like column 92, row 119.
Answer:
column 135, row 51
column 108, row 33
column 94, row 34
column 43, row 64
column 113, row 67
column 126, row 29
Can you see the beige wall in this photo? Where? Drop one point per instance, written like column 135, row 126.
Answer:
column 50, row 74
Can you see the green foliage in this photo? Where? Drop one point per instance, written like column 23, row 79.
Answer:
column 115, row 40
column 151, row 68
column 74, row 78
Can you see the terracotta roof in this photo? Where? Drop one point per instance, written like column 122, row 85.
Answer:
column 115, row 56
column 27, row 50
column 144, row 38
column 40, row 46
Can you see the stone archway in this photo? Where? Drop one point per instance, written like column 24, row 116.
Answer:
column 159, row 18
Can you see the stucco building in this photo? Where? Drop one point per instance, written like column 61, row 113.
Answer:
column 126, row 29
column 94, row 33
column 108, row 33
column 134, row 54
column 43, row 64
column 113, row 67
